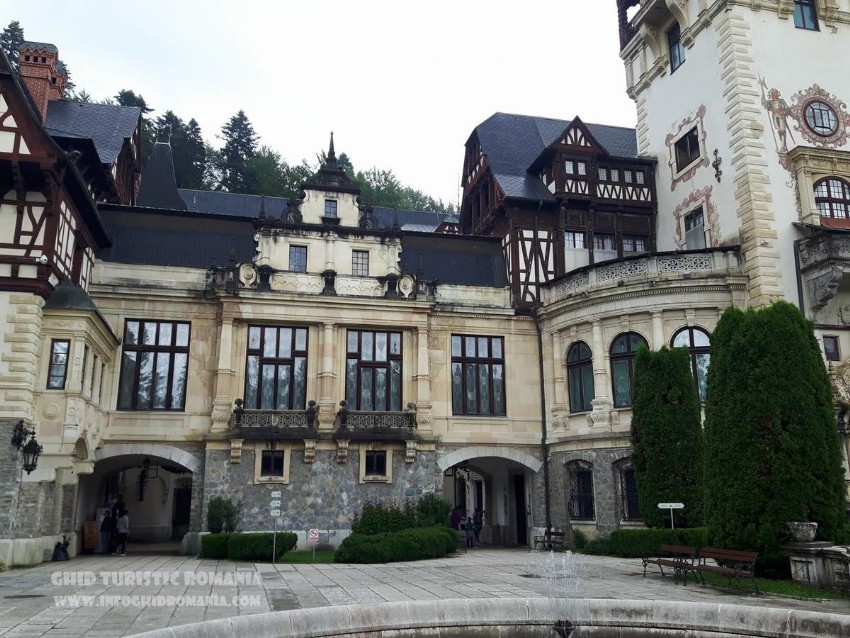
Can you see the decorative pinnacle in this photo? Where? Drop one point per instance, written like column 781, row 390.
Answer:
column 331, row 153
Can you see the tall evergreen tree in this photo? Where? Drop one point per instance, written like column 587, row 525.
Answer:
column 772, row 449
column 193, row 172
column 667, row 437
column 240, row 145
column 11, row 39
column 187, row 148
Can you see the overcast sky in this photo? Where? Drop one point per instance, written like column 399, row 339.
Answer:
column 401, row 84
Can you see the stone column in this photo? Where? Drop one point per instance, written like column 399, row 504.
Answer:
column 329, row 391
column 602, row 404
column 657, row 331
column 423, row 381
column 224, row 395
column 559, row 365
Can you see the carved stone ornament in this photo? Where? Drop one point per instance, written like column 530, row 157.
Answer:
column 840, row 377
column 292, row 214
column 309, row 450
column 367, row 219
column 825, row 287
column 820, row 117
column 342, row 450
column 407, row 286
column 410, row 451
column 235, row 450
column 248, row 275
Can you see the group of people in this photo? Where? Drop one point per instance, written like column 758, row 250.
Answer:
column 114, row 529
column 472, row 526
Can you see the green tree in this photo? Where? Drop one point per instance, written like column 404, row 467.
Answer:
column 11, row 39
column 265, row 173
column 667, row 437
column 772, row 449
column 127, row 97
column 187, row 148
column 240, row 145
column 211, row 179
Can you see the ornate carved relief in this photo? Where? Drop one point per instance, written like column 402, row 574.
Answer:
column 571, row 284
column 622, row 269
column 825, row 287
column 248, row 275
column 410, row 451
column 235, row 450
column 820, row 117
column 289, row 282
column 698, row 198
column 342, row 450
column 358, row 286
column 685, row 263
column 686, row 124
column 309, row 450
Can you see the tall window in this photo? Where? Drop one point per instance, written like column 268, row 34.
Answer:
column 699, row 347
column 580, row 377
column 276, row 369
column 298, row 258
column 581, row 505
column 154, row 365
column 623, row 351
column 629, row 494
column 373, row 370
column 805, row 15
column 695, row 229
column 478, row 375
column 574, row 239
column 58, row 364
column 674, row 43
column 832, row 197
column 360, row 263
column 687, row 149
column 271, row 463
column 330, row 208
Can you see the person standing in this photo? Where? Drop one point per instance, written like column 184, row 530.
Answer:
column 107, row 532
column 123, row 529
column 477, row 523
column 455, row 519
column 470, row 532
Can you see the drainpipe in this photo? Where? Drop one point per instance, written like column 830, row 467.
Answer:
column 800, row 299
column 544, row 444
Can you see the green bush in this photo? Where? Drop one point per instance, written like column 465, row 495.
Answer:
column 598, row 546
column 579, row 539
column 404, row 545
column 429, row 511
column 634, row 543
column 432, row 510
column 257, row 546
column 214, row 545
column 223, row 515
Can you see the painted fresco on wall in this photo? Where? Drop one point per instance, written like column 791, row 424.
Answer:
column 701, row 198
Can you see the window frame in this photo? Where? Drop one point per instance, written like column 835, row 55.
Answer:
column 695, row 351
column 627, row 357
column 358, row 262
column 331, row 208
column 832, row 353
column 274, row 454
column 829, row 202
column 689, row 223
column 274, row 447
column 675, row 49
column 376, row 449
column 391, row 404
column 687, row 149
column 629, row 499
column 53, row 365
column 580, row 365
column 172, row 351
column 801, row 20
column 581, row 503
column 254, row 400
column 294, row 264
column 463, row 359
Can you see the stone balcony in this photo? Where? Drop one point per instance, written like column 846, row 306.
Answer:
column 824, row 260
column 648, row 268
column 274, row 424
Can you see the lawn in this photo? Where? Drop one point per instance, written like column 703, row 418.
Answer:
column 778, row 587
column 322, row 556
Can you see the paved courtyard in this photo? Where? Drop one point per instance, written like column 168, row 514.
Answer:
column 101, row 597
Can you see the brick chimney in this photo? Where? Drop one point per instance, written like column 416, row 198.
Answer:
column 42, row 73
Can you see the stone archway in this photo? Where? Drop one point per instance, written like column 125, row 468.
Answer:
column 464, row 454
column 169, row 452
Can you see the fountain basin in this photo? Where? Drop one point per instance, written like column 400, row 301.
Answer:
column 523, row 618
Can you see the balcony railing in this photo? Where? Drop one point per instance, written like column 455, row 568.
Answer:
column 269, row 423
column 362, row 420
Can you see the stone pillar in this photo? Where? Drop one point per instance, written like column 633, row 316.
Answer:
column 328, row 388
column 657, row 331
column 224, row 392
column 423, row 381
column 330, row 258
column 602, row 404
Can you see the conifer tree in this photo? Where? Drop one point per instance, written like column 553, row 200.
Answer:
column 11, row 39
column 773, row 453
column 240, row 145
column 667, row 437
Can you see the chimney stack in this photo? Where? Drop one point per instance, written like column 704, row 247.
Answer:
column 42, row 73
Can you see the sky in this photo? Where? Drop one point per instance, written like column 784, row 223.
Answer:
column 402, row 85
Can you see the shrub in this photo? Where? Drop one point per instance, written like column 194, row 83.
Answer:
column 405, row 545
column 598, row 546
column 772, row 448
column 667, row 437
column 214, row 545
column 257, row 546
column 382, row 519
column 579, row 538
column 432, row 510
column 634, row 543
column 223, row 515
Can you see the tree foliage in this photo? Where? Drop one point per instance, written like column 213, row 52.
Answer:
column 187, row 148
column 240, row 146
column 667, row 437
column 772, row 450
column 11, row 39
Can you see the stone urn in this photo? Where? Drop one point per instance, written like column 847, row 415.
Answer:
column 802, row 531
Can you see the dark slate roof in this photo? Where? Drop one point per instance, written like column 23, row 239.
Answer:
column 67, row 296
column 38, row 46
column 512, row 143
column 182, row 240
column 237, row 204
column 454, row 259
column 105, row 124
column 159, row 187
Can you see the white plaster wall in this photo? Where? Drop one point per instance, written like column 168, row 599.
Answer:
column 313, row 208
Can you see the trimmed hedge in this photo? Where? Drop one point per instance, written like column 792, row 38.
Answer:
column 257, row 546
column 376, row 518
column 409, row 544
column 634, row 543
column 214, row 545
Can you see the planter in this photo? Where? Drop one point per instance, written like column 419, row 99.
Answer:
column 802, row 532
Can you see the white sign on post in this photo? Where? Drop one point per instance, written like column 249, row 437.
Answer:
column 314, row 536
column 274, row 512
column 671, row 507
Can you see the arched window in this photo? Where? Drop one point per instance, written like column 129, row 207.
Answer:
column 832, row 197
column 580, row 505
column 623, row 350
column 580, row 377
column 699, row 347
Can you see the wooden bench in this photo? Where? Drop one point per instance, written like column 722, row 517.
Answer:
column 551, row 539
column 730, row 563
column 679, row 558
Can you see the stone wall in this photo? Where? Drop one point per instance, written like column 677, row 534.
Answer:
column 10, row 477
column 324, row 494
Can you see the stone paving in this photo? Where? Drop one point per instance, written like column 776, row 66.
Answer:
column 29, row 609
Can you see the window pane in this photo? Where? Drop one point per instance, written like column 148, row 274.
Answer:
column 284, row 343
column 457, row 388
column 283, row 379
column 270, row 345
column 351, row 383
column 587, row 383
column 178, row 381
column 163, row 359
column 582, row 168
column 700, row 338
column 366, row 343
column 702, row 362
column 497, row 348
column 165, row 334
column 182, row 335
column 301, row 340
column 254, row 338
column 143, row 395
column 149, row 333
column 470, row 347
column 574, row 377
column 128, row 374
column 483, row 347
column 622, row 383
column 131, row 333
column 366, row 402
column 352, row 341
column 381, row 346
column 395, row 343
column 498, row 389
column 395, row 385
column 682, row 339
column 569, row 166
column 471, row 388
column 456, row 346
column 252, row 381
column 620, row 345
column 299, row 391
column 267, row 395
column 484, row 388
column 381, row 389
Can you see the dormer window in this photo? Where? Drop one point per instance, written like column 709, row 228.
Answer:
column 677, row 51
column 330, row 208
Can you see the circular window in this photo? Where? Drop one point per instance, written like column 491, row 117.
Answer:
column 821, row 118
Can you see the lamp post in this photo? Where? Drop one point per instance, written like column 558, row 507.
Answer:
column 30, row 449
